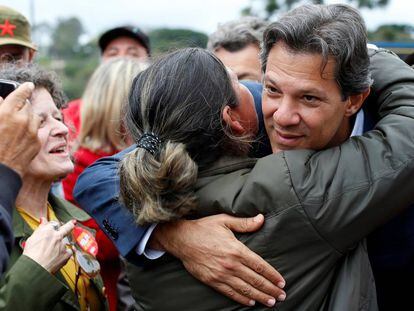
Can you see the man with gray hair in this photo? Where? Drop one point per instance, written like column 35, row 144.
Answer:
column 237, row 45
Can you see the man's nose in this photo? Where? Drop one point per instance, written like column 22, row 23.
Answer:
column 287, row 113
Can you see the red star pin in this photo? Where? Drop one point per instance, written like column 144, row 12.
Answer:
column 7, row 28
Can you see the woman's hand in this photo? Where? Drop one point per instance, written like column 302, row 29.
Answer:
column 47, row 245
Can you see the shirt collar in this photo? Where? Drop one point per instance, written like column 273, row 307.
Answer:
column 359, row 124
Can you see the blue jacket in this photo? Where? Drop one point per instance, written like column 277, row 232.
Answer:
column 97, row 191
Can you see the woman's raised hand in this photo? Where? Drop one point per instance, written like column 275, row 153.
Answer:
column 48, row 246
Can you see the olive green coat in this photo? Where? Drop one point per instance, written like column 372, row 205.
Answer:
column 27, row 285
column 318, row 208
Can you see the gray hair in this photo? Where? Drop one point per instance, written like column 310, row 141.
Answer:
column 38, row 76
column 336, row 31
column 236, row 35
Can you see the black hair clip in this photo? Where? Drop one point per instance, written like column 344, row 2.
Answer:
column 149, row 142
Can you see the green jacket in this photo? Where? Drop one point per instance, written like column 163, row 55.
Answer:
column 27, row 285
column 318, row 207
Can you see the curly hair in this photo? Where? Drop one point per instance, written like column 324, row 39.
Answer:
column 236, row 35
column 38, row 76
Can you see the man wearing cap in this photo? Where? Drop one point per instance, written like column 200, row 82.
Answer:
column 125, row 41
column 15, row 42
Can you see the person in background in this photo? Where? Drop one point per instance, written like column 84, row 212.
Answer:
column 101, row 130
column 15, row 41
column 237, row 45
column 123, row 41
column 102, row 134
column 63, row 281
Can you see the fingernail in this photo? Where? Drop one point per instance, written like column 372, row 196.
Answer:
column 74, row 221
column 31, row 85
column 252, row 303
column 271, row 302
column 281, row 284
column 281, row 297
column 257, row 218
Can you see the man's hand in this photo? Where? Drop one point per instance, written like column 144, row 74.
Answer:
column 18, row 129
column 211, row 253
column 47, row 247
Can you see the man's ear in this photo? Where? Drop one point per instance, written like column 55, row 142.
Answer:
column 355, row 102
column 232, row 119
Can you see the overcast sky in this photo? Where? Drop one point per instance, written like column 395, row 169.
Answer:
column 202, row 15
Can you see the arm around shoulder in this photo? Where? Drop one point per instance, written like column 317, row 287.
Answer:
column 348, row 191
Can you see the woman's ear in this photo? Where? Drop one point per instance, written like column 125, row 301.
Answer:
column 355, row 102
column 232, row 119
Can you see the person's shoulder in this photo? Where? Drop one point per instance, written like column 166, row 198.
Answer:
column 377, row 53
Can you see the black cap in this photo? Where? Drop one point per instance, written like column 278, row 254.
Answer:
column 124, row 31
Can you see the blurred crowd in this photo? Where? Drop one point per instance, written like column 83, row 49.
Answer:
column 270, row 170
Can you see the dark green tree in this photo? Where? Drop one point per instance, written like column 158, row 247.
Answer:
column 165, row 39
column 268, row 8
column 392, row 33
column 73, row 61
column 65, row 38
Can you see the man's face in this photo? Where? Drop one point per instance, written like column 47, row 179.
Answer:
column 15, row 53
column 302, row 108
column 245, row 62
column 124, row 47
